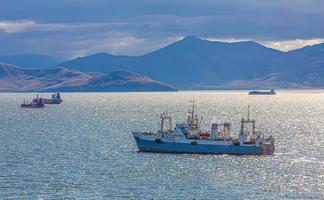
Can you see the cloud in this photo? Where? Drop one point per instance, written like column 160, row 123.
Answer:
column 288, row 45
column 114, row 43
column 266, row 20
column 18, row 26
column 230, row 40
column 74, row 40
column 76, row 45
column 78, row 27
column 111, row 42
column 283, row 45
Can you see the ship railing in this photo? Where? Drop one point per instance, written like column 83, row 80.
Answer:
column 230, row 138
column 149, row 133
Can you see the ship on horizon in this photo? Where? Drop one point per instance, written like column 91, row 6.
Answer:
column 263, row 92
column 56, row 99
column 189, row 138
column 35, row 103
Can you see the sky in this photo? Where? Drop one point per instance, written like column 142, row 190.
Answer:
column 72, row 28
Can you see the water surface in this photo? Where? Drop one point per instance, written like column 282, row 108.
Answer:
column 83, row 148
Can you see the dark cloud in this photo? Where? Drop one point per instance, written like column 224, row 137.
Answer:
column 68, row 22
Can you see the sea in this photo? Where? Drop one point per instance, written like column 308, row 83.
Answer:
column 84, row 149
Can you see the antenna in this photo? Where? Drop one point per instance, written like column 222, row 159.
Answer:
column 158, row 120
column 199, row 126
column 192, row 112
column 248, row 112
column 193, row 108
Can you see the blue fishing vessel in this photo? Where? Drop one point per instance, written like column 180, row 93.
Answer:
column 188, row 138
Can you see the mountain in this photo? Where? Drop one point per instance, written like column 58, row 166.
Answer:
column 194, row 63
column 117, row 81
column 189, row 62
column 101, row 62
column 16, row 79
column 314, row 51
column 29, row 60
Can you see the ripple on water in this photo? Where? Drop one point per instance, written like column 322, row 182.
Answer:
column 84, row 149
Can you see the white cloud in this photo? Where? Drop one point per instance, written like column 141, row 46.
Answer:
column 230, row 40
column 30, row 25
column 283, row 45
column 17, row 26
column 117, row 44
column 287, row 45
column 127, row 38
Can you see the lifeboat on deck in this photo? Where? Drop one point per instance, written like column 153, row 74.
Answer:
column 204, row 135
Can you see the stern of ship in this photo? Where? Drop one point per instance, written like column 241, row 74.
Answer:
column 267, row 149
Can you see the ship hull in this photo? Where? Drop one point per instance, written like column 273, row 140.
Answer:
column 31, row 106
column 52, row 101
column 147, row 145
column 261, row 94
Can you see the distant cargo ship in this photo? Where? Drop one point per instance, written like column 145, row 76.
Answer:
column 263, row 92
column 56, row 99
column 188, row 138
column 36, row 103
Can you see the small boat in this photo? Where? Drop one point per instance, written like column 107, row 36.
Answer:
column 56, row 99
column 36, row 103
column 188, row 138
column 263, row 92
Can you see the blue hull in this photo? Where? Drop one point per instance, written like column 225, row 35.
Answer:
column 171, row 147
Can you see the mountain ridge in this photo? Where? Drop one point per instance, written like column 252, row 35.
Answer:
column 16, row 79
column 30, row 60
column 193, row 61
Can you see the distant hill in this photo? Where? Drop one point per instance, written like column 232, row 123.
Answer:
column 101, row 62
column 314, row 51
column 117, row 81
column 16, row 79
column 194, row 63
column 30, row 60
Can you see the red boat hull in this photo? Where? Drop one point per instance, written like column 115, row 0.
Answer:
column 31, row 106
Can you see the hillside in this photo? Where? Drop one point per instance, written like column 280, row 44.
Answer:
column 16, row 79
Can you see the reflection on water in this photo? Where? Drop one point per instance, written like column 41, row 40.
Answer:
column 83, row 148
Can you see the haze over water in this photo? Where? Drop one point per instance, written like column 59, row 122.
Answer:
column 84, row 149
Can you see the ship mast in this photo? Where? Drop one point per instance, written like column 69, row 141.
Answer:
column 193, row 121
column 247, row 121
column 166, row 122
column 192, row 112
column 248, row 113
